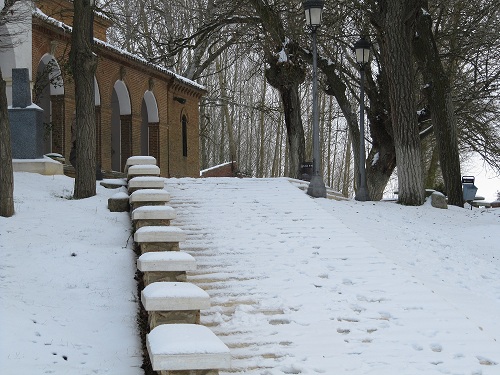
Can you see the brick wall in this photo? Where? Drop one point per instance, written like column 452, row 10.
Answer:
column 165, row 141
column 181, row 165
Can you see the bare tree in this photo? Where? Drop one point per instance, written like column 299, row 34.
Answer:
column 437, row 90
column 190, row 35
column 9, row 14
column 84, row 63
column 395, row 35
column 467, row 35
column 6, row 172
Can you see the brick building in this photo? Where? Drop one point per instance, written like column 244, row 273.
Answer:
column 141, row 108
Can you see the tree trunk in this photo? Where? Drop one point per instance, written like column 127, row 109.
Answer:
column 379, row 172
column 203, row 135
column 381, row 160
column 438, row 94
column 329, row 145
column 83, row 64
column 286, row 78
column 295, row 131
column 6, row 172
column 347, row 168
column 262, row 122
column 277, row 146
column 337, row 88
column 432, row 170
column 227, row 115
column 396, row 50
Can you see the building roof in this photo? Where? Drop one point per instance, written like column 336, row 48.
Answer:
column 37, row 13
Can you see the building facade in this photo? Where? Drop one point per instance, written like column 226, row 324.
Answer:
column 141, row 108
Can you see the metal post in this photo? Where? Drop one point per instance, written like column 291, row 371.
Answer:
column 316, row 187
column 362, row 193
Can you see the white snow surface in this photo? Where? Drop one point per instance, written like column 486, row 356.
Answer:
column 297, row 285
column 67, row 292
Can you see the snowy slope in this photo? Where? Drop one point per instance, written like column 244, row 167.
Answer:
column 298, row 286
column 67, row 302
column 295, row 290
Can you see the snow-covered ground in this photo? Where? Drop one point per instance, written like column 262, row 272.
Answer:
column 67, row 289
column 298, row 286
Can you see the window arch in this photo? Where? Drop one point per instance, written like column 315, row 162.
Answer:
column 184, row 136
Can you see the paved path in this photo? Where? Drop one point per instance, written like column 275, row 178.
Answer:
column 294, row 291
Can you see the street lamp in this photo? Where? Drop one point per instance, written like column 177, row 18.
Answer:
column 362, row 49
column 313, row 11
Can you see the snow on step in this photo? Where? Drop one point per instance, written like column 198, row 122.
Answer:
column 143, row 170
column 166, row 261
column 172, row 296
column 186, row 347
column 139, row 160
column 146, row 182
column 149, row 195
column 153, row 213
column 159, row 234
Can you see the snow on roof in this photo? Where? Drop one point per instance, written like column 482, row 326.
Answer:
column 39, row 14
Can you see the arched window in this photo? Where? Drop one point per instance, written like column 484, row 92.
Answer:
column 184, row 136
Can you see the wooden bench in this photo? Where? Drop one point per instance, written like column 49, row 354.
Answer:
column 139, row 160
column 152, row 216
column 186, row 349
column 146, row 170
column 145, row 182
column 165, row 266
column 159, row 238
column 148, row 197
column 174, row 302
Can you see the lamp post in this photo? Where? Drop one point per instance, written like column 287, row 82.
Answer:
column 362, row 49
column 313, row 11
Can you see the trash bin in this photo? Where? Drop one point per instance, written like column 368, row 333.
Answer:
column 306, row 170
column 469, row 189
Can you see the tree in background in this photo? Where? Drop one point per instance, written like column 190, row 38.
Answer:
column 6, row 173
column 83, row 65
column 395, row 34
column 228, row 46
column 9, row 14
column 437, row 90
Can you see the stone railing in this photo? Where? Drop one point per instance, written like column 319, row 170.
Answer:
column 176, row 343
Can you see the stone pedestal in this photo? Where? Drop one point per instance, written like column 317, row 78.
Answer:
column 158, row 276
column 27, row 131
column 157, row 318
column 190, row 372
column 186, row 349
column 26, row 119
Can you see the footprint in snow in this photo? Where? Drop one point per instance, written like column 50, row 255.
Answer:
column 486, row 362
column 436, row 347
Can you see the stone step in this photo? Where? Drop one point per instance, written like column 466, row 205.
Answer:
column 148, row 197
column 139, row 160
column 159, row 234
column 145, row 182
column 174, row 347
column 174, row 296
column 143, row 170
column 166, row 261
column 152, row 216
column 158, row 266
column 119, row 202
